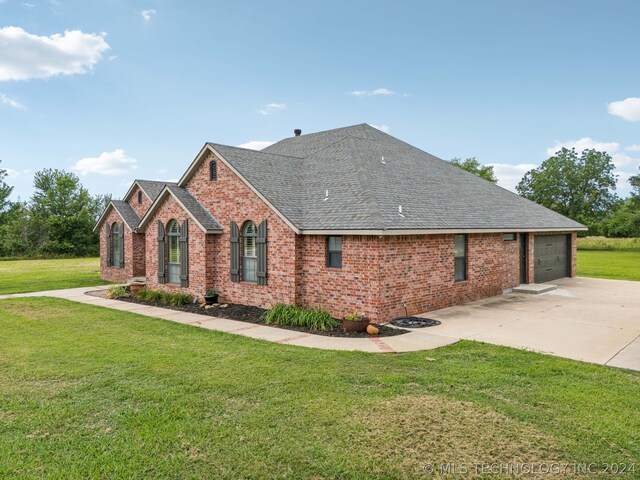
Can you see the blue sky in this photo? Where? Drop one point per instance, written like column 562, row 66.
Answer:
column 116, row 90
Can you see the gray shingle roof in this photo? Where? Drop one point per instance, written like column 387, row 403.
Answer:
column 201, row 214
column 152, row 187
column 127, row 213
column 365, row 191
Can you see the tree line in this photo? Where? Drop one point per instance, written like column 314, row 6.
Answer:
column 579, row 186
column 59, row 217
column 57, row 220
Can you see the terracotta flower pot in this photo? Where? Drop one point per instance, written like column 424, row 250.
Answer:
column 355, row 326
column 134, row 288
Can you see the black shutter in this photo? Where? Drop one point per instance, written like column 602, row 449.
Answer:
column 121, row 241
column 161, row 254
column 184, row 254
column 262, row 253
column 108, row 242
column 235, row 252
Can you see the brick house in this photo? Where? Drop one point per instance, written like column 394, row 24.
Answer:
column 349, row 220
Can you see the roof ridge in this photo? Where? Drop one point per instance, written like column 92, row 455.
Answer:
column 254, row 151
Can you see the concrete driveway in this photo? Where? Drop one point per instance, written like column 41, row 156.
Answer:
column 587, row 319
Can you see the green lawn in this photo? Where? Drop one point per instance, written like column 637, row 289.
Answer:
column 87, row 392
column 17, row 276
column 617, row 264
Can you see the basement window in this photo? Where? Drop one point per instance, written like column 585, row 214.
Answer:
column 509, row 237
column 334, row 252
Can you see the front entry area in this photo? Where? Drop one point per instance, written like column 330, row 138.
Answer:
column 551, row 257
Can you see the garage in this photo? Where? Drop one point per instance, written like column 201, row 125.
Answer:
column 551, row 256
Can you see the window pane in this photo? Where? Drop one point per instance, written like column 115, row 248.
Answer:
column 174, row 250
column 174, row 273
column 249, row 269
column 335, row 244
column 460, row 244
column 250, row 247
column 335, row 259
column 461, row 269
column 509, row 237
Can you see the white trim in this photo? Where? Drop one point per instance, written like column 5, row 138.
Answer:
column 191, row 170
column 135, row 182
column 437, row 231
column 104, row 216
column 156, row 204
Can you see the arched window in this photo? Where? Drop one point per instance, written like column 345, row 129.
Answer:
column 116, row 245
column 173, row 232
column 213, row 170
column 249, row 252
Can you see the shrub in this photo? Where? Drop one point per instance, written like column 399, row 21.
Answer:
column 177, row 299
column 158, row 296
column 294, row 316
column 117, row 292
column 211, row 292
column 354, row 317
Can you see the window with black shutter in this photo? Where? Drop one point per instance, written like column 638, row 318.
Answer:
column 234, row 247
column 108, row 244
column 334, row 252
column 162, row 254
column 175, row 263
column 262, row 253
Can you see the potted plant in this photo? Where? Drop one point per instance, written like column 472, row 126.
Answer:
column 211, row 296
column 355, row 323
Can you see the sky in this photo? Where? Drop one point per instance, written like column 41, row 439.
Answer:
column 115, row 90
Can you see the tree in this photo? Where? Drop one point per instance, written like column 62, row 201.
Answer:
column 625, row 220
column 472, row 165
column 62, row 214
column 577, row 186
column 5, row 192
column 635, row 184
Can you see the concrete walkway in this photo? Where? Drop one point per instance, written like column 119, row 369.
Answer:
column 412, row 341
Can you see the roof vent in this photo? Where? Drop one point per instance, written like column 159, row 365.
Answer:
column 297, row 132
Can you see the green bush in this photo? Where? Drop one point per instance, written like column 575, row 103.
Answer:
column 158, row 296
column 294, row 316
column 117, row 292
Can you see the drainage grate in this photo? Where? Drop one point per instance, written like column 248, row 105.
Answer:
column 414, row 322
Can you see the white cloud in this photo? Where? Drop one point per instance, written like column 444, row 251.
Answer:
column 11, row 102
column 108, row 163
column 373, row 93
column 147, row 14
column 633, row 148
column 382, row 128
column 510, row 175
column 629, row 109
column 256, row 144
column 24, row 55
column 11, row 173
column 28, row 5
column 270, row 108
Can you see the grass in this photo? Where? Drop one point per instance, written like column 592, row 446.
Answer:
column 87, row 392
column 616, row 258
column 604, row 243
column 619, row 265
column 18, row 276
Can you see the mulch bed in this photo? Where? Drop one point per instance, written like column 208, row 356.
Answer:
column 249, row 314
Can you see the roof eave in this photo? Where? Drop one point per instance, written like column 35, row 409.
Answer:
column 435, row 231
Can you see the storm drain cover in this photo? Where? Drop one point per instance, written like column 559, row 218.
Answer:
column 414, row 322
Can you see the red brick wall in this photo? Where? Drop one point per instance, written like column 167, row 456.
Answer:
column 418, row 271
column 354, row 288
column 229, row 198
column 133, row 251
column 140, row 209
column 199, row 246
